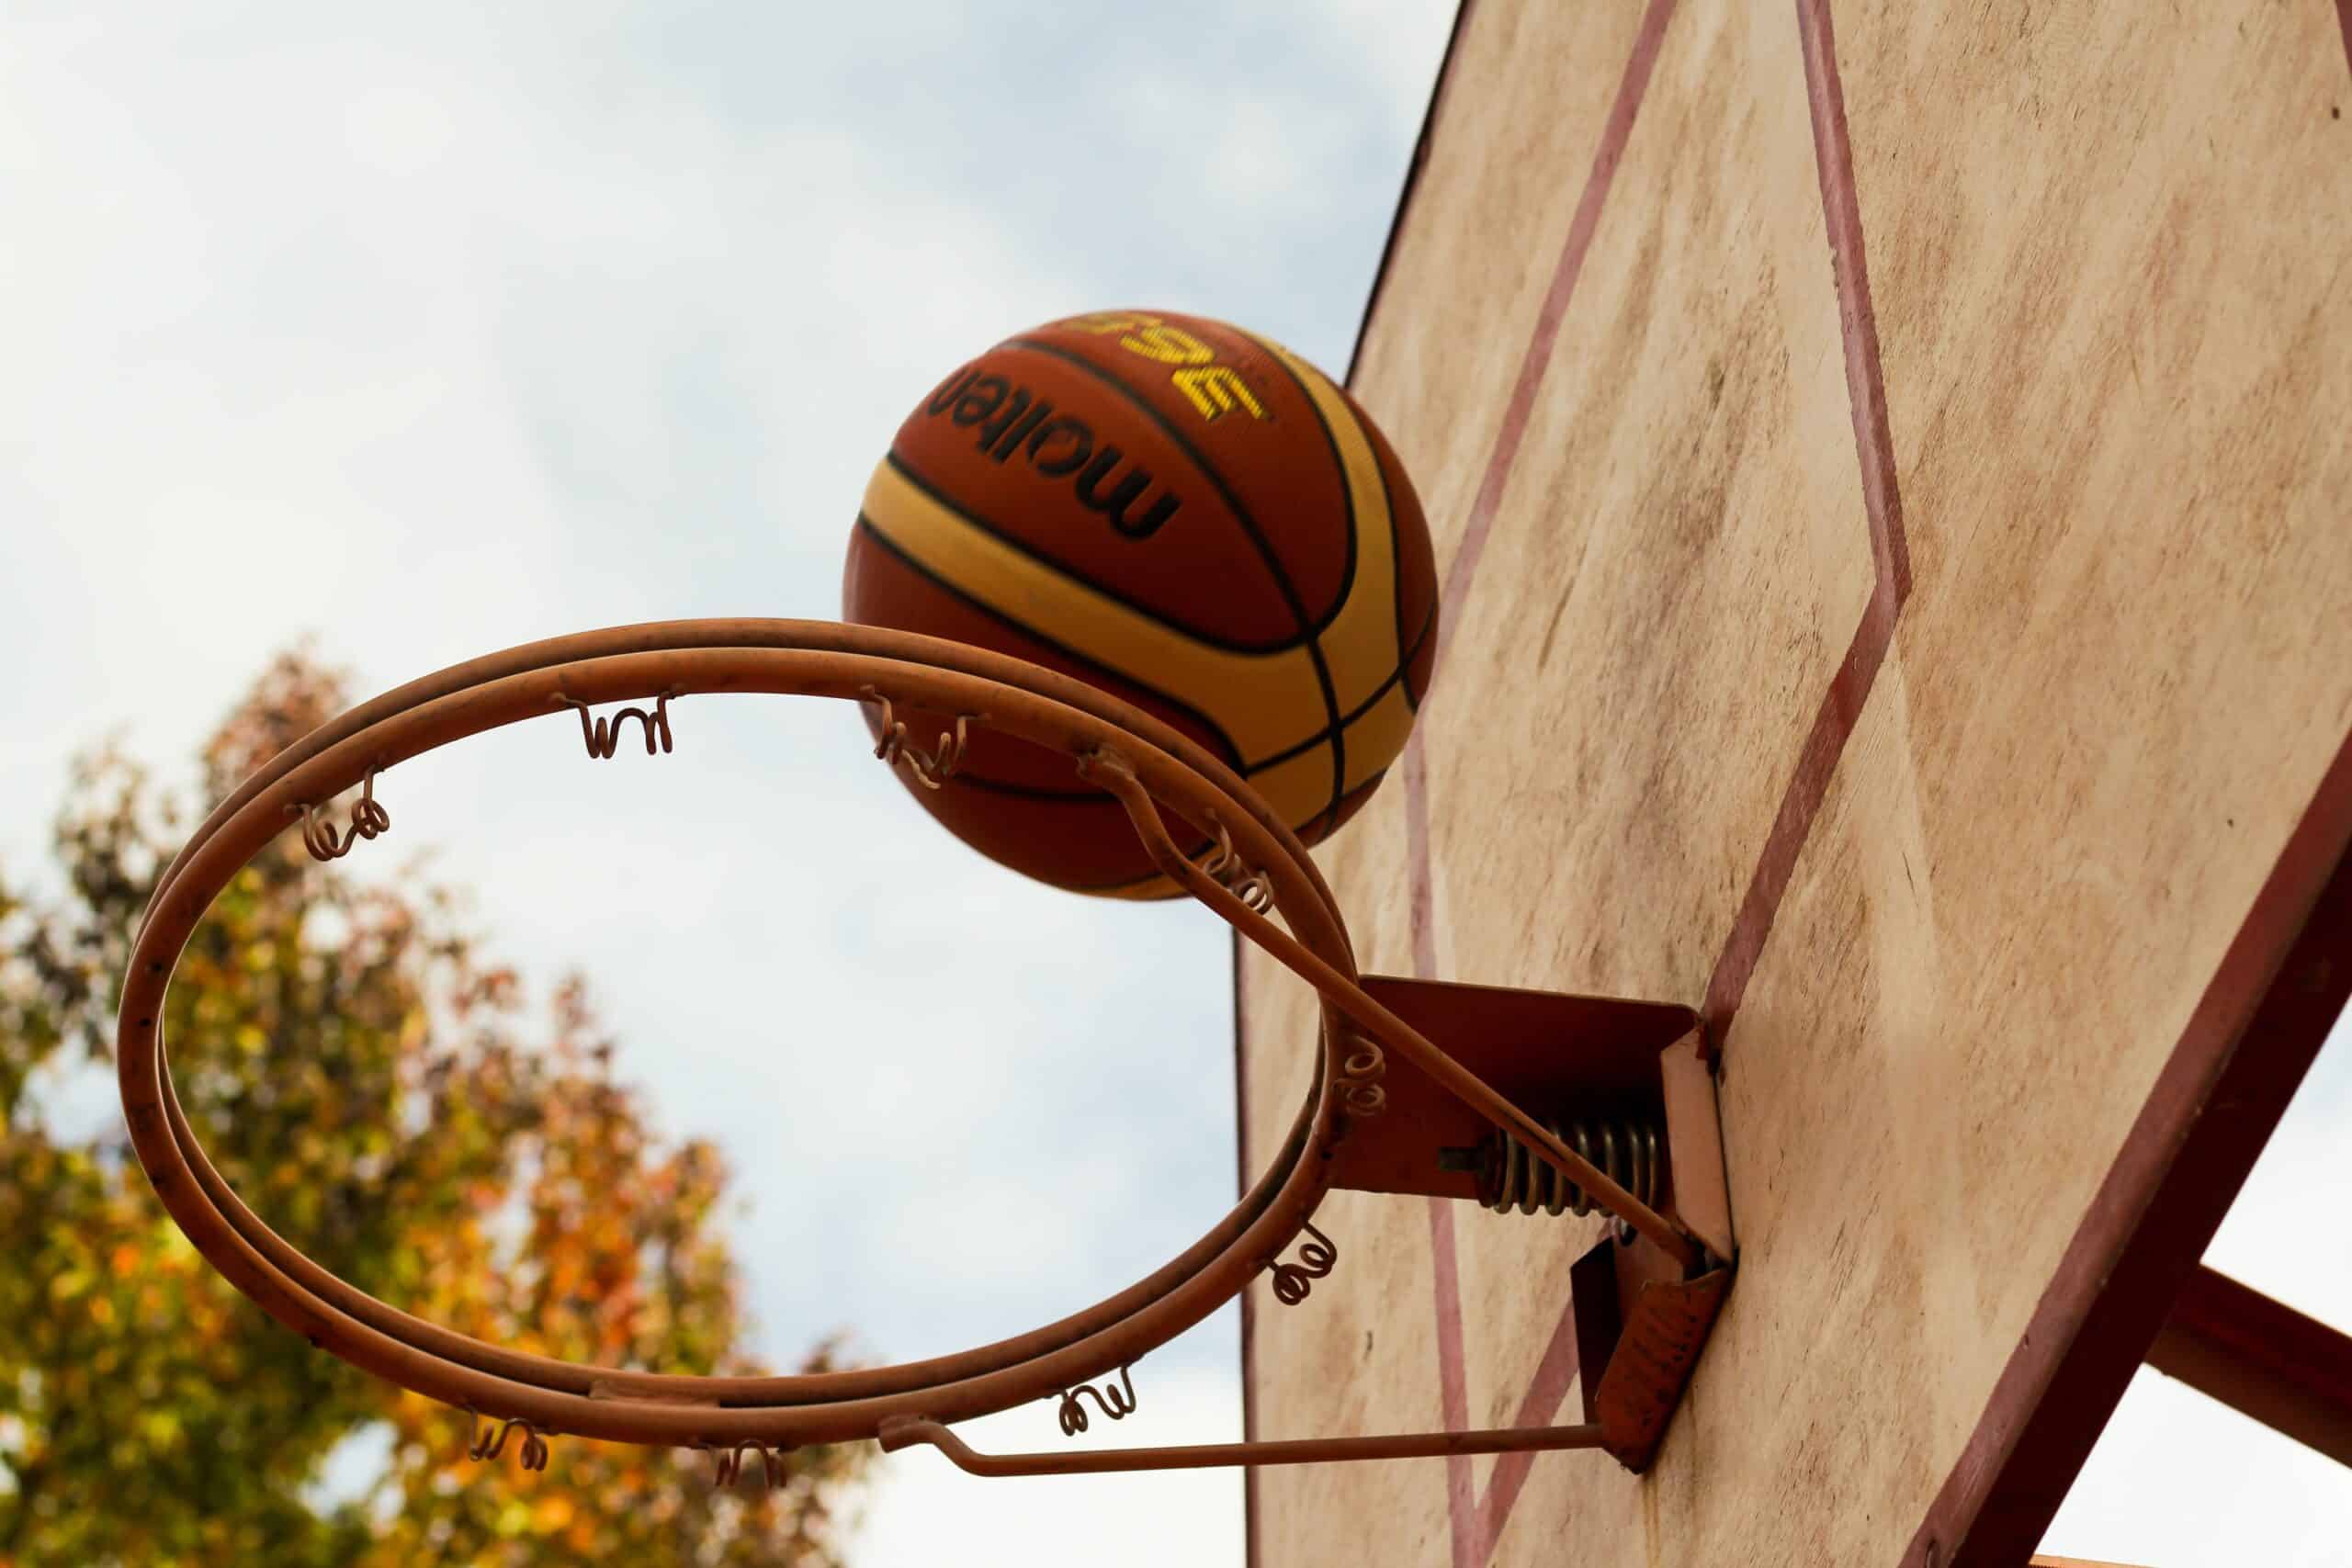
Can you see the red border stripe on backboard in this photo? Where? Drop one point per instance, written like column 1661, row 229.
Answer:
column 1536, row 362
column 2171, row 1184
column 1414, row 779
column 2279, row 989
column 1476, row 1523
column 1248, row 1315
column 1840, row 708
column 1882, row 506
column 1454, row 1389
column 1555, row 1373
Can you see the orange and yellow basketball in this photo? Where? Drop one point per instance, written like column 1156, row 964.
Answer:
column 1189, row 517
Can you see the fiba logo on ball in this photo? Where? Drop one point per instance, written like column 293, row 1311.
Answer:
column 1184, row 514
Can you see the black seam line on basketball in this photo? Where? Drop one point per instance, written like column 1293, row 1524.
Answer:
column 1175, row 888
column 1429, row 624
column 1339, row 466
column 1328, row 821
column 997, row 531
column 1031, row 792
column 1428, row 627
column 1289, row 589
column 1348, row 575
column 1049, row 792
column 1397, row 553
column 1231, row 753
column 1308, row 624
column 1196, row 851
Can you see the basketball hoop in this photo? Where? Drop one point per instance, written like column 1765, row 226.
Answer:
column 1386, row 1110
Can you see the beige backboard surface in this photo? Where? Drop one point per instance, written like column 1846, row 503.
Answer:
column 1892, row 475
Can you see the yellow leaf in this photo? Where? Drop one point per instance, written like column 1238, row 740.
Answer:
column 552, row 1514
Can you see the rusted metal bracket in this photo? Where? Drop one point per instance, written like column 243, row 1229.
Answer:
column 1590, row 1065
column 1638, row 1339
column 1603, row 1063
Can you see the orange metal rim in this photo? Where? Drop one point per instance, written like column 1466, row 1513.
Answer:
column 691, row 657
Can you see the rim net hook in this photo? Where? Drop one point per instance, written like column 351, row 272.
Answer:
column 1118, row 1404
column 369, row 818
column 930, row 769
column 602, row 736
column 1294, row 1283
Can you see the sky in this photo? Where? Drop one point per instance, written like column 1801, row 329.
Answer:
column 421, row 333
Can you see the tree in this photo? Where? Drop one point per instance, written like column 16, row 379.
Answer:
column 373, row 1086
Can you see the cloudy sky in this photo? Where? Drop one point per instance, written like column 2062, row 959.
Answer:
column 483, row 324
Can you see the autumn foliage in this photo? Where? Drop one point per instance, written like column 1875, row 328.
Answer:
column 380, row 1092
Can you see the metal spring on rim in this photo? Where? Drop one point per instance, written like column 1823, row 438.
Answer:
column 1294, row 1283
column 603, row 737
column 1629, row 1150
column 1225, row 866
column 1359, row 1074
column 1118, row 1404
column 369, row 818
column 482, row 1445
column 930, row 769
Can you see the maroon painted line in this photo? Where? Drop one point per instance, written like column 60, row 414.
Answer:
column 2278, row 990
column 1417, row 820
column 1554, row 1374
column 1453, row 1395
column 1420, row 886
column 1833, row 724
column 1537, row 360
column 2343, row 26
column 1850, row 688
column 1248, row 1317
column 1473, row 1528
column 1453, row 1385
column 1857, row 321
column 1841, row 707
column 1472, row 1533
column 1417, row 817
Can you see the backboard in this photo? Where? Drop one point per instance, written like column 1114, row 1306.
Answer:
column 1892, row 476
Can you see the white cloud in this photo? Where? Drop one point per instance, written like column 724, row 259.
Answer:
column 458, row 328
column 2178, row 1480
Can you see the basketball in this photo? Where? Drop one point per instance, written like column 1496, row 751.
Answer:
column 1178, row 511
